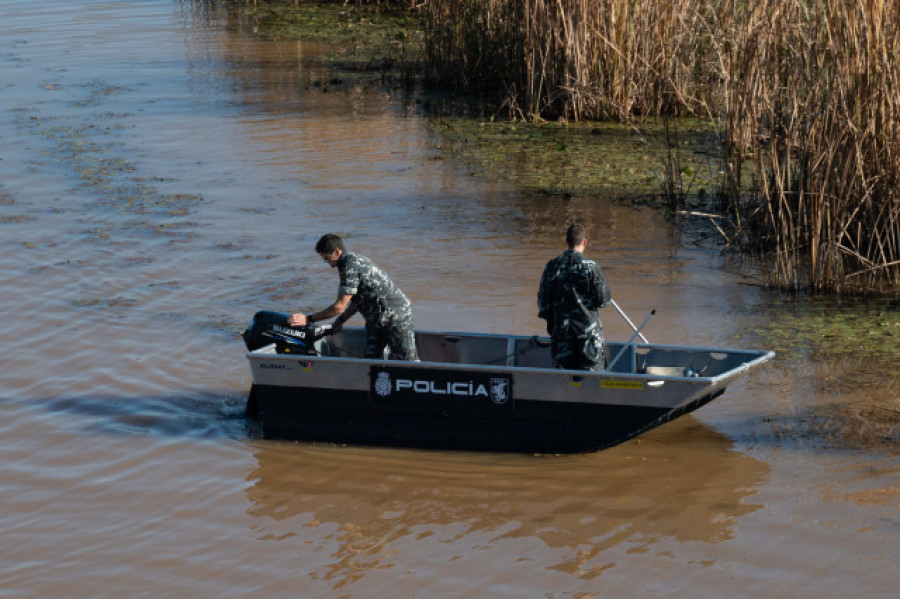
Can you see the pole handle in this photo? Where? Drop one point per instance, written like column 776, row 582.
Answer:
column 628, row 320
column 637, row 332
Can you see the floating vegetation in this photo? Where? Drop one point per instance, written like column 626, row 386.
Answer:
column 367, row 43
column 259, row 256
column 97, row 91
column 580, row 159
column 18, row 218
column 849, row 425
column 841, row 346
column 98, row 233
column 281, row 292
column 169, row 229
column 227, row 245
column 110, row 178
column 167, row 284
column 827, row 329
column 113, row 302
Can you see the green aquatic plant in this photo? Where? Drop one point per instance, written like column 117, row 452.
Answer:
column 110, row 179
column 840, row 347
column 364, row 43
column 105, row 302
column 17, row 218
column 823, row 329
column 581, row 159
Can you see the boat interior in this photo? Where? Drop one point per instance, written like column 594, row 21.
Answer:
column 534, row 352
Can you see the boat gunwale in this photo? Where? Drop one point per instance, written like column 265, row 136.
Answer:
column 762, row 356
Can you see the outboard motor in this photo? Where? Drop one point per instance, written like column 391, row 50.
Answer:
column 272, row 327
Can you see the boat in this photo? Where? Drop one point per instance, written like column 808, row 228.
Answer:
column 474, row 391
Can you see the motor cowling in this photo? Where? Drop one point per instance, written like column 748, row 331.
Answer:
column 270, row 327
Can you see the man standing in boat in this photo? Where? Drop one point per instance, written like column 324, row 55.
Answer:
column 572, row 290
column 366, row 289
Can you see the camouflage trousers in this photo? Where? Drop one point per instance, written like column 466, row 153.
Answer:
column 398, row 335
column 579, row 353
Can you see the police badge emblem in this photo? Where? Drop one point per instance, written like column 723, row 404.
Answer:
column 499, row 390
column 383, row 384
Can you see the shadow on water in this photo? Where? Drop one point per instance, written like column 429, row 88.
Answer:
column 201, row 414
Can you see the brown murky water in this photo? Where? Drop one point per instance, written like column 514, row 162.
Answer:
column 162, row 178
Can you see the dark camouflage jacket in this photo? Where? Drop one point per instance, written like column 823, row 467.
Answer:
column 572, row 290
column 374, row 294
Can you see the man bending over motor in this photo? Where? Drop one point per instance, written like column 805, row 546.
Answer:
column 366, row 289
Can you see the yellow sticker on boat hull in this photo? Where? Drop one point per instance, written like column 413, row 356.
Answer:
column 636, row 385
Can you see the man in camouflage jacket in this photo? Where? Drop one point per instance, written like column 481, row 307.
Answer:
column 366, row 289
column 572, row 290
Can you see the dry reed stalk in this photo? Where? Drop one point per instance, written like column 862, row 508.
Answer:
column 580, row 59
column 818, row 95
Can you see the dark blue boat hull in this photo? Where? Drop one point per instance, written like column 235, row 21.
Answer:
column 525, row 426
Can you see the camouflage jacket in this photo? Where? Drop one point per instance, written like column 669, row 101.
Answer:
column 374, row 294
column 572, row 290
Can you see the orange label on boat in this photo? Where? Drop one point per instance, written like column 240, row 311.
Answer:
column 636, row 385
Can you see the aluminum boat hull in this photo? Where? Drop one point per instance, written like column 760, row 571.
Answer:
column 484, row 392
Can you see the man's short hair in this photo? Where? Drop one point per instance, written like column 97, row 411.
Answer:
column 328, row 243
column 575, row 235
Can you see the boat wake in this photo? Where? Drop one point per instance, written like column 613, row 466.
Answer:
column 191, row 415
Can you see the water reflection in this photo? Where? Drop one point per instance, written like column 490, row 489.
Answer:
column 683, row 483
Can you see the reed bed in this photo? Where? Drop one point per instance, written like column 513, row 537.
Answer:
column 804, row 92
column 579, row 59
column 816, row 103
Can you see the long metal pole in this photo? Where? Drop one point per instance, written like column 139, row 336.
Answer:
column 628, row 320
column 637, row 332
